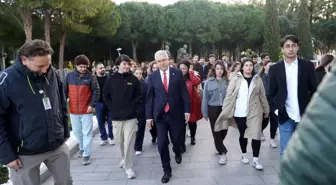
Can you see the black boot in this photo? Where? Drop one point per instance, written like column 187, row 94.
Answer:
column 183, row 148
column 193, row 141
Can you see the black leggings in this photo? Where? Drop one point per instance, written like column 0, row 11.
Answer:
column 219, row 136
column 273, row 119
column 241, row 123
column 192, row 127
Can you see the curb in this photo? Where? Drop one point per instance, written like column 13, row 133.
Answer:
column 73, row 147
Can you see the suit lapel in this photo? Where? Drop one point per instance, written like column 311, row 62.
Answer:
column 283, row 74
column 171, row 78
column 300, row 68
column 160, row 80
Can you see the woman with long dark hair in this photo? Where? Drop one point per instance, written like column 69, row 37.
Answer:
column 324, row 67
column 246, row 102
column 192, row 83
column 214, row 93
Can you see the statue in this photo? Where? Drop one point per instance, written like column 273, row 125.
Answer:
column 182, row 53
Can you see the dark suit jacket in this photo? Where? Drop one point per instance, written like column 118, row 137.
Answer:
column 277, row 89
column 199, row 68
column 157, row 97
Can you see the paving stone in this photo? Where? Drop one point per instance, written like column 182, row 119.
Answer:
column 199, row 165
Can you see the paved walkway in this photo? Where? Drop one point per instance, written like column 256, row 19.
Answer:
column 199, row 167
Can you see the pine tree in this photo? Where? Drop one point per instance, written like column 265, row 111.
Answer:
column 304, row 34
column 272, row 30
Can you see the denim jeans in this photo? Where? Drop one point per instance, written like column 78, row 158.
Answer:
column 82, row 126
column 286, row 130
column 103, row 117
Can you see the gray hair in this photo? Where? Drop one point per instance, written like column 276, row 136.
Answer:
column 161, row 54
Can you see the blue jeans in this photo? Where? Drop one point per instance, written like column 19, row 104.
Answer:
column 103, row 117
column 286, row 131
column 82, row 126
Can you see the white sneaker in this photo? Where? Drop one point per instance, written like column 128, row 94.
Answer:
column 188, row 134
column 103, row 143
column 138, row 153
column 130, row 173
column 262, row 137
column 111, row 142
column 273, row 144
column 122, row 164
column 245, row 160
column 257, row 165
column 222, row 160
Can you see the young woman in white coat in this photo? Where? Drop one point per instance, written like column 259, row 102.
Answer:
column 246, row 102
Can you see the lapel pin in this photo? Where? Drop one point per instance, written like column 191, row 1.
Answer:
column 173, row 73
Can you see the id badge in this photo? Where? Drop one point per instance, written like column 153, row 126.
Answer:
column 46, row 103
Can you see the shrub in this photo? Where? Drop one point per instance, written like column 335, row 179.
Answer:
column 3, row 174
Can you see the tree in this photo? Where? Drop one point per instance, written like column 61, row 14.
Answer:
column 22, row 11
column 69, row 17
column 137, row 23
column 304, row 34
column 272, row 35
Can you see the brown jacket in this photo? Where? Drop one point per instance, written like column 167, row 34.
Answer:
column 257, row 106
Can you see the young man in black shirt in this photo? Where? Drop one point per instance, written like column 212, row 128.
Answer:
column 122, row 94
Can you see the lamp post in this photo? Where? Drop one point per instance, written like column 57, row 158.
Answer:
column 119, row 49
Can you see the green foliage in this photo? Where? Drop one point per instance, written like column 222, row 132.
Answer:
column 272, row 35
column 70, row 66
column 3, row 174
column 304, row 34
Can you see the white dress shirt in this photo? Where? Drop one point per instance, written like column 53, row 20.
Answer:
column 167, row 74
column 292, row 102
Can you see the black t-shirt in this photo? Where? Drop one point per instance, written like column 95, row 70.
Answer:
column 101, row 81
column 248, row 81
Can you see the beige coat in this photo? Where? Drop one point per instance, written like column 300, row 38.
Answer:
column 258, row 105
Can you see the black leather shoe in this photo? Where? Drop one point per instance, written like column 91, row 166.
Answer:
column 193, row 141
column 183, row 148
column 166, row 178
column 178, row 158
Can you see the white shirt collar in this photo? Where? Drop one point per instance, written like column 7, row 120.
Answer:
column 292, row 64
column 167, row 71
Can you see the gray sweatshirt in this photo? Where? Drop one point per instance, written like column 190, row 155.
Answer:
column 214, row 93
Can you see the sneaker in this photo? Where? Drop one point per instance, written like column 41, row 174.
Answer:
column 262, row 137
column 245, row 160
column 111, row 142
column 138, row 153
column 273, row 144
column 103, row 143
column 257, row 165
column 80, row 154
column 222, row 160
column 153, row 141
column 188, row 134
column 122, row 164
column 86, row 160
column 130, row 173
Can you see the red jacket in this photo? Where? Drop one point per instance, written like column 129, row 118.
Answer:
column 195, row 97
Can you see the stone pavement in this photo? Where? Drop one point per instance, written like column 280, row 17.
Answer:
column 199, row 166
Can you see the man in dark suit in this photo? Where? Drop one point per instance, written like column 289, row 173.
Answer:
column 168, row 104
column 292, row 82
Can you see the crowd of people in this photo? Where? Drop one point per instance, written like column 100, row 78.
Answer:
column 170, row 98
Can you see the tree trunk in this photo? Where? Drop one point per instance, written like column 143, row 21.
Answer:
column 26, row 17
column 190, row 49
column 134, row 49
column 61, row 54
column 3, row 64
column 213, row 49
column 47, row 26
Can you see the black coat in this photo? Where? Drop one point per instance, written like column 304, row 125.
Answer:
column 277, row 89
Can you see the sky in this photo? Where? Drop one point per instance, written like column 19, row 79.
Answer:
column 167, row 2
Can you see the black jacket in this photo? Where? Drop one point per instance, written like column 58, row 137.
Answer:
column 277, row 89
column 320, row 73
column 122, row 95
column 26, row 128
